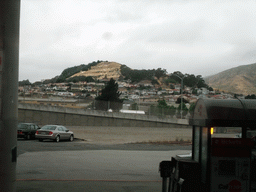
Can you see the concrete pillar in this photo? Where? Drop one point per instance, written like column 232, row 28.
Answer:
column 9, row 59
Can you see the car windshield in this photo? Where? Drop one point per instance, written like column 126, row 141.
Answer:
column 22, row 126
column 48, row 127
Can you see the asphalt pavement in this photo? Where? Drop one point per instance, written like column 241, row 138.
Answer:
column 78, row 166
column 87, row 186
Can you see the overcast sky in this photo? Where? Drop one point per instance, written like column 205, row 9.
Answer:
column 192, row 36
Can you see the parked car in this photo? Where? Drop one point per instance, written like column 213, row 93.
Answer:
column 27, row 130
column 54, row 132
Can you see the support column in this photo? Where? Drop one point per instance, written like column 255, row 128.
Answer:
column 9, row 59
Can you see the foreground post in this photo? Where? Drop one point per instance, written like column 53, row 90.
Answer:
column 9, row 58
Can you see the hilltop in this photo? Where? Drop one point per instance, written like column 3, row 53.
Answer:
column 239, row 80
column 102, row 70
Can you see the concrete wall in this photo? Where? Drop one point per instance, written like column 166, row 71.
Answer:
column 46, row 114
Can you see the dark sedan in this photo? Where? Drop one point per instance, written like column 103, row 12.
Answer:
column 54, row 132
column 27, row 130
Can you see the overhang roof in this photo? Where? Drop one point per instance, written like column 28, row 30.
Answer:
column 225, row 113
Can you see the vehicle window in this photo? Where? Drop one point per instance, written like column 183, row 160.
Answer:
column 48, row 127
column 22, row 126
column 60, row 129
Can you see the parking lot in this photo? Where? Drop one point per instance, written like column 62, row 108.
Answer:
column 99, row 159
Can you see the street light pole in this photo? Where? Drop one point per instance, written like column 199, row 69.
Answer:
column 139, row 101
column 181, row 102
column 181, row 97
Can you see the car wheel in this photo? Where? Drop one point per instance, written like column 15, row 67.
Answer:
column 57, row 139
column 28, row 137
column 71, row 138
column 41, row 140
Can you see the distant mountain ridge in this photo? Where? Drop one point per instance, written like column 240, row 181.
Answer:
column 239, row 80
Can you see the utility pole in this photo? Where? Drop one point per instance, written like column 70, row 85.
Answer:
column 139, row 101
column 181, row 102
column 9, row 59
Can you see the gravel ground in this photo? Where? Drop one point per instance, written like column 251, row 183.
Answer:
column 124, row 135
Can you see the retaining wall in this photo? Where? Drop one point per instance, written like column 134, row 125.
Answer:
column 46, row 114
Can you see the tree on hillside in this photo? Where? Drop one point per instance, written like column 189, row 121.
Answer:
column 175, row 75
column 192, row 107
column 110, row 92
column 80, row 78
column 169, row 81
column 189, row 80
column 109, row 97
column 210, row 88
column 201, row 83
column 184, row 110
column 24, row 82
column 154, row 82
column 250, row 96
column 184, row 107
column 160, row 73
column 162, row 103
column 194, row 91
column 136, row 75
column 162, row 109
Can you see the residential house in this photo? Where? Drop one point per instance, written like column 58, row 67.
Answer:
column 145, row 83
column 88, row 88
column 76, row 87
column 91, row 83
column 203, row 90
column 123, row 90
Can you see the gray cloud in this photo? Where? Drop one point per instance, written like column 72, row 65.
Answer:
column 171, row 32
column 199, row 37
column 107, row 35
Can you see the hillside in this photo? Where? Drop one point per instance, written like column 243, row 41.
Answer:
column 102, row 70
column 239, row 80
column 106, row 70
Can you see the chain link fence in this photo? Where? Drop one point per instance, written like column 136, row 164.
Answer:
column 151, row 110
